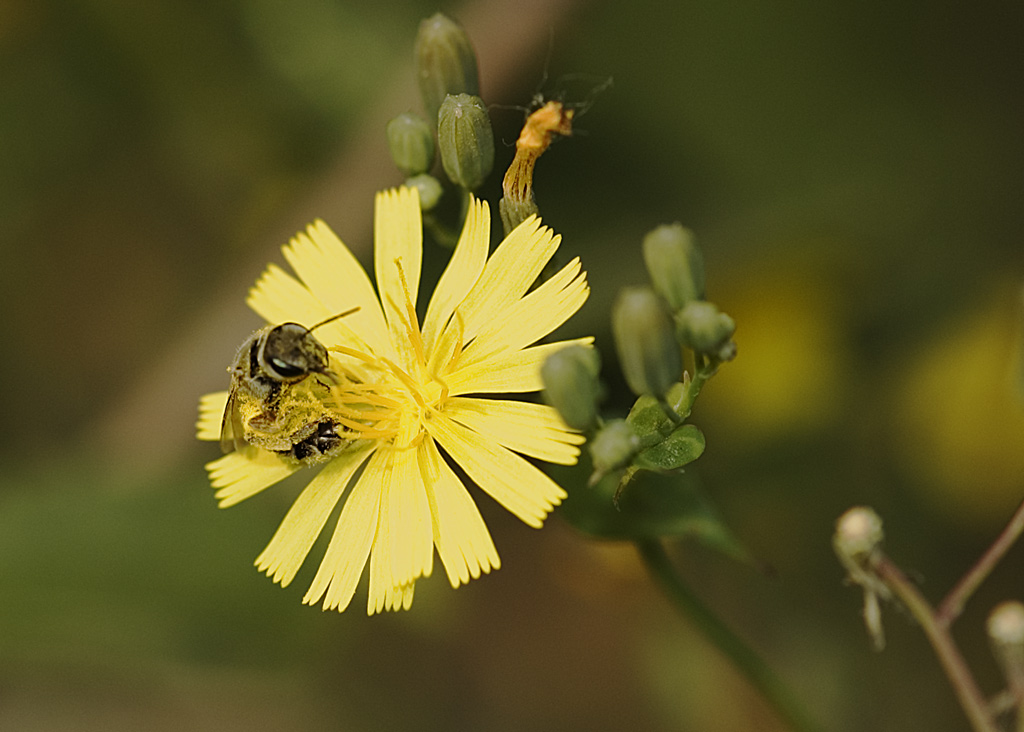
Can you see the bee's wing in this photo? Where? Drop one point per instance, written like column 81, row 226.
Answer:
column 232, row 431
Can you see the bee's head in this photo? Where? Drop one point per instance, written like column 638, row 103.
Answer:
column 290, row 352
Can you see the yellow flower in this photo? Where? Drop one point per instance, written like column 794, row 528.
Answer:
column 415, row 398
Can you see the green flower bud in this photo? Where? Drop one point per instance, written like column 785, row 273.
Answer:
column 430, row 190
column 613, row 447
column 445, row 62
column 675, row 264
column 465, row 139
column 706, row 329
column 649, row 354
column 411, row 141
column 571, row 385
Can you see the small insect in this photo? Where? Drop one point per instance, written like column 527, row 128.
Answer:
column 271, row 405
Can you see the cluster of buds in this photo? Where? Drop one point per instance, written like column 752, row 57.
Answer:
column 655, row 328
column 653, row 325
column 446, row 70
column 676, row 267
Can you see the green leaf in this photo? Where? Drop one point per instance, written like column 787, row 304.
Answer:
column 648, row 418
column 653, row 506
column 680, row 448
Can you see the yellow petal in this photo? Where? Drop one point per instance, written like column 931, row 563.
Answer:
column 307, row 516
column 409, row 528
column 532, row 429
column 388, row 598
column 462, row 272
column 508, row 274
column 280, row 298
column 398, row 252
column 245, row 473
column 509, row 479
column 336, row 278
column 533, row 317
column 211, row 415
column 380, row 571
column 384, row 594
column 345, row 558
column 402, row 596
column 507, row 373
column 460, row 534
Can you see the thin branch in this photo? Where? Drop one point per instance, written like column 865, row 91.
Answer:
column 967, row 691
column 953, row 604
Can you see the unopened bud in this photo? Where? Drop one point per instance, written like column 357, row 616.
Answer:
column 411, row 142
column 857, row 543
column 445, row 62
column 430, row 190
column 649, row 354
column 701, row 326
column 571, row 385
column 858, row 534
column 675, row 264
column 613, row 447
column 465, row 139
column 1006, row 633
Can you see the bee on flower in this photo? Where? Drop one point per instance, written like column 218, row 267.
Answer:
column 402, row 401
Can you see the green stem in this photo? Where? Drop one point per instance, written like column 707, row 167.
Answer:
column 442, row 234
column 447, row 236
column 704, row 370
column 957, row 671
column 722, row 637
column 673, row 417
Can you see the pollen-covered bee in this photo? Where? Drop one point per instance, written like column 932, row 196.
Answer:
column 279, row 381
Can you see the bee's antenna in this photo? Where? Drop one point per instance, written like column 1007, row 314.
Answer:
column 333, row 318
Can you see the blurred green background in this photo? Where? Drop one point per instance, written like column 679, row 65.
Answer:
column 854, row 174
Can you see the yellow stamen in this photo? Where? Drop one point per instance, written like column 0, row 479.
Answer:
column 411, row 323
column 354, row 354
column 407, row 380
column 456, row 354
column 374, row 399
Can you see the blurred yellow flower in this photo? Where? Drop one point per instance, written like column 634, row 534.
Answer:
column 958, row 414
column 792, row 376
column 410, row 392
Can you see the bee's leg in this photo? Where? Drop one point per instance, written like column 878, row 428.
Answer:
column 318, row 445
column 265, row 422
column 266, row 430
column 327, row 438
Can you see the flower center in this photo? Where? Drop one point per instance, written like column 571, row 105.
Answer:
column 396, row 406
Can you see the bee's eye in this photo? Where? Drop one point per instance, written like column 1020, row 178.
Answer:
column 290, row 353
column 285, row 370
